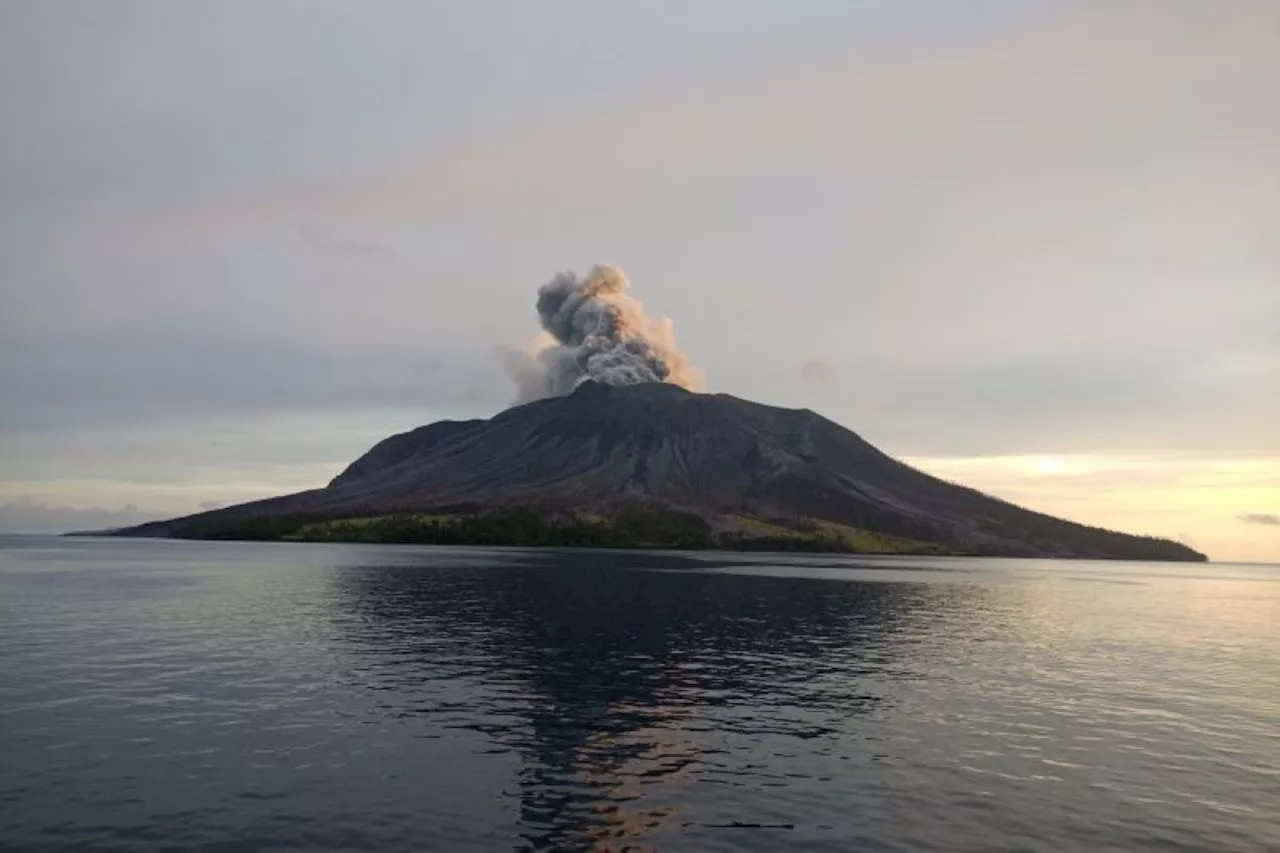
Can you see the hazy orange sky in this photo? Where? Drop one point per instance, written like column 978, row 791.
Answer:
column 1029, row 246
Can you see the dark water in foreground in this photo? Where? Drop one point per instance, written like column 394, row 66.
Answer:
column 227, row 697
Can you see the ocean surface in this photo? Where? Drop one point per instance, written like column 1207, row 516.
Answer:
column 238, row 697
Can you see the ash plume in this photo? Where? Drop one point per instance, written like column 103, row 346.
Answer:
column 595, row 330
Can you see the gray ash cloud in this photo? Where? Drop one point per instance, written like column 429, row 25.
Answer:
column 594, row 329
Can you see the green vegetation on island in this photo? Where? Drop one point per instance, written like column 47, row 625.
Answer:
column 631, row 527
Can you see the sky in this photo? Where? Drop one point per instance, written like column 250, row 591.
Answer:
column 1030, row 246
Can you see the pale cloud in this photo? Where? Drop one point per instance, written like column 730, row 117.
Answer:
column 1179, row 495
column 172, row 467
column 816, row 370
column 1057, row 87
column 326, row 239
column 24, row 515
column 1069, row 215
column 1268, row 518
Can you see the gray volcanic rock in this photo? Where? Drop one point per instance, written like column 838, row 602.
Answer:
column 712, row 454
column 397, row 448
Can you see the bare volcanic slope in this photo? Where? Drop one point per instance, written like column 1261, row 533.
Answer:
column 725, row 460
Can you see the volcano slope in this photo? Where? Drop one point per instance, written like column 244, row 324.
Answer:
column 656, row 465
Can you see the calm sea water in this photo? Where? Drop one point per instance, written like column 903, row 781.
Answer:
column 235, row 697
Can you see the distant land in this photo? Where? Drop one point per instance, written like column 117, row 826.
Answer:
column 654, row 465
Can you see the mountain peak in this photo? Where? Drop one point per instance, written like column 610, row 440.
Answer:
column 591, row 388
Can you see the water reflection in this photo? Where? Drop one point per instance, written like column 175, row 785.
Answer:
column 619, row 687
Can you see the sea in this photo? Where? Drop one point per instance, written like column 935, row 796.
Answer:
column 162, row 695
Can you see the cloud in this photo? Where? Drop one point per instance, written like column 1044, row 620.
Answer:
column 599, row 332
column 181, row 379
column 324, row 239
column 1190, row 495
column 27, row 516
column 995, row 243
column 816, row 370
column 1267, row 518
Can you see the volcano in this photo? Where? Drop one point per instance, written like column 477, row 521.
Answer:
column 746, row 472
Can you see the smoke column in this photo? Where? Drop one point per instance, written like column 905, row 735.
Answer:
column 595, row 330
